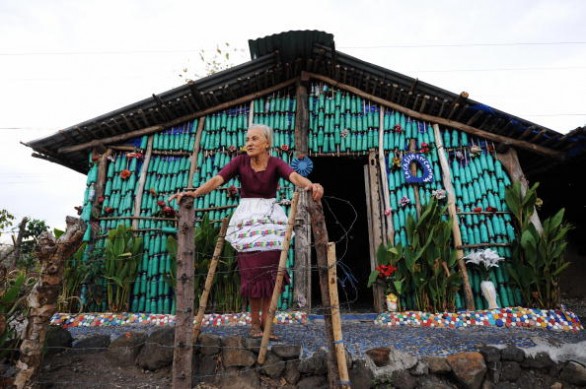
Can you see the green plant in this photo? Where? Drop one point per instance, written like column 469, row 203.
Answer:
column 13, row 288
column 426, row 266
column 538, row 257
column 122, row 256
column 224, row 296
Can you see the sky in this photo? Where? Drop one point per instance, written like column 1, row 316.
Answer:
column 64, row 62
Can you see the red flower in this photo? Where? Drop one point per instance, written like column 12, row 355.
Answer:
column 285, row 147
column 100, row 199
column 108, row 210
column 232, row 191
column 491, row 209
column 477, row 210
column 124, row 174
column 169, row 211
column 398, row 128
column 386, row 271
column 161, row 203
column 232, row 148
column 153, row 191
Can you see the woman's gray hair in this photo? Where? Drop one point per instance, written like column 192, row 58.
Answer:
column 266, row 130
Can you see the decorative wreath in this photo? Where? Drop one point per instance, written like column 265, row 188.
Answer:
column 303, row 166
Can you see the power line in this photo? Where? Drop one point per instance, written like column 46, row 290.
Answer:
column 487, row 44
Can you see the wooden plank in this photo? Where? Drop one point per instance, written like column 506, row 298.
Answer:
column 510, row 162
column 445, row 122
column 302, row 293
column 185, row 295
column 268, row 325
column 182, row 119
column 376, row 227
column 390, row 230
column 141, row 182
column 338, row 344
column 203, row 300
column 196, row 146
column 456, row 233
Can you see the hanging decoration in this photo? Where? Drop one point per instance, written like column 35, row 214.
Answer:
column 124, row 174
column 302, row 165
column 404, row 201
column 423, row 163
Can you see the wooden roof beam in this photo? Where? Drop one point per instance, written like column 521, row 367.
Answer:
column 443, row 121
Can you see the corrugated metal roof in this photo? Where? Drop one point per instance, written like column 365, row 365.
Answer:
column 291, row 44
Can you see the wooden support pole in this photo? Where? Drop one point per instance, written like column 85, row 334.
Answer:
column 279, row 281
column 390, row 230
column 376, row 220
column 183, row 348
column 413, row 167
column 42, row 299
column 141, row 181
column 203, row 300
column 196, row 144
column 456, row 233
column 336, row 319
column 101, row 181
column 510, row 162
column 320, row 238
column 302, row 269
column 440, row 120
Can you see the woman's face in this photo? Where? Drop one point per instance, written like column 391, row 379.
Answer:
column 256, row 142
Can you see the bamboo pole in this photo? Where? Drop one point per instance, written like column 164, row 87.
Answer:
column 390, row 230
column 196, row 144
column 203, row 300
column 336, row 320
column 183, row 347
column 141, row 181
column 279, row 281
column 456, row 233
column 439, row 120
column 179, row 120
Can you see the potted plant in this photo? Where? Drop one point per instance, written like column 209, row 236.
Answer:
column 485, row 260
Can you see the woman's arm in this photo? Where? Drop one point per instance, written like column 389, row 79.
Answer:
column 206, row 188
column 317, row 191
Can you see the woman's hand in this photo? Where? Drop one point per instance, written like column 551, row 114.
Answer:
column 317, row 191
column 179, row 196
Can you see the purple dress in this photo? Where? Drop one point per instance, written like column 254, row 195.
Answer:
column 258, row 225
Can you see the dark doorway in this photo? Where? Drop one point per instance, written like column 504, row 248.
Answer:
column 346, row 220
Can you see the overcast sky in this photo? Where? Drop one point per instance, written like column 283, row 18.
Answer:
column 63, row 62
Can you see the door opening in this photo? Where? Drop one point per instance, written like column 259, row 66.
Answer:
column 347, row 223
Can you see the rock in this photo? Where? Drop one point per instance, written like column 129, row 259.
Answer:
column 469, row 368
column 487, row 385
column 253, row 344
column 556, row 385
column 204, row 368
column 313, row 382
column 57, row 340
column 538, row 361
column 287, row 351
column 209, row 344
column 92, row 344
column 379, row 356
column 437, row 365
column 292, row 374
column 273, row 366
column 239, row 379
column 158, row 349
column 124, row 350
column 316, row 364
column 360, row 375
column 574, row 373
column 493, row 372
column 234, row 353
column 510, row 371
column 434, row 382
column 512, row 354
column 402, row 379
column 490, row 354
column 420, row 369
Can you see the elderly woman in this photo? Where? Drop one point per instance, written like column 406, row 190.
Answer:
column 257, row 227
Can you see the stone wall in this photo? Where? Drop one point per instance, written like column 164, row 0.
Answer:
column 230, row 362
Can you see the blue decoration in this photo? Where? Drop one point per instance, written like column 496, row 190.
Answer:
column 303, row 166
column 423, row 164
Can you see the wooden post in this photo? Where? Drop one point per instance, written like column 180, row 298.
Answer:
column 279, row 281
column 320, row 238
column 390, row 230
column 456, row 233
column 302, row 267
column 373, row 191
column 510, row 162
column 413, row 167
column 196, row 143
column 183, row 353
column 336, row 320
column 42, row 300
column 141, row 181
column 101, row 181
column 203, row 300
column 15, row 254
